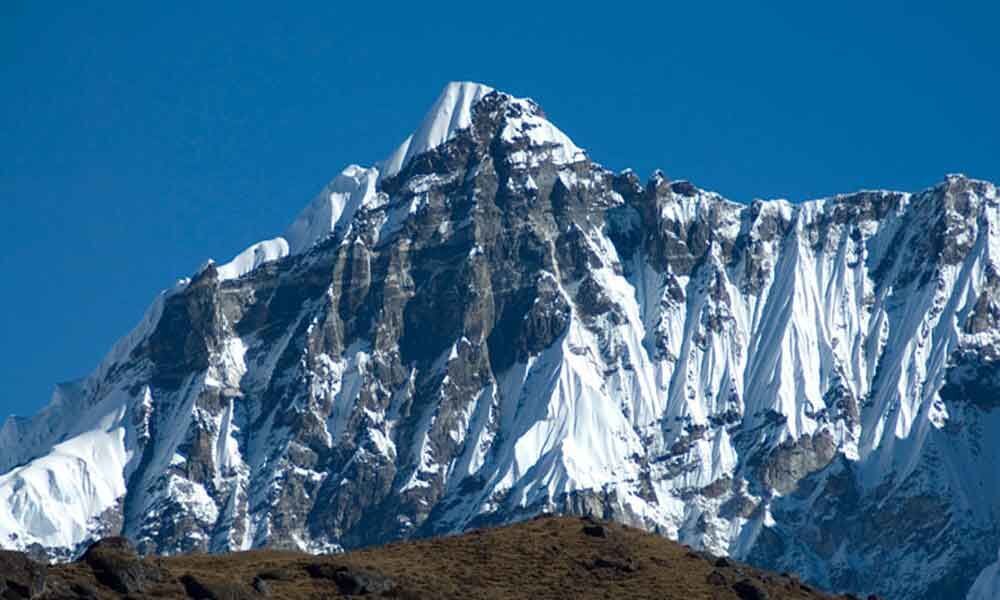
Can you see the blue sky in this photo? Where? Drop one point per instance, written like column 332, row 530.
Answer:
column 137, row 141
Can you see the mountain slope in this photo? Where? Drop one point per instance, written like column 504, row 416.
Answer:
column 489, row 325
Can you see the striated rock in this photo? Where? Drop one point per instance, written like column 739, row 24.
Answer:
column 793, row 460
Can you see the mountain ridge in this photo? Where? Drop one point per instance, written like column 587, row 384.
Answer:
column 502, row 327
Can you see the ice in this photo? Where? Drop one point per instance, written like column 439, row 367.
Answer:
column 451, row 113
column 333, row 208
column 253, row 257
column 52, row 499
column 539, row 132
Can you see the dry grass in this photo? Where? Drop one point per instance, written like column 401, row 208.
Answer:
column 546, row 558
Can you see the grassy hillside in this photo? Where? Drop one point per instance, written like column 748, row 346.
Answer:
column 550, row 557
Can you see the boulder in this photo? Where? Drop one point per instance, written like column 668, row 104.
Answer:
column 117, row 565
column 716, row 578
column 20, row 577
column 83, row 591
column 747, row 589
column 277, row 574
column 352, row 581
column 202, row 588
column 593, row 528
column 261, row 586
column 627, row 565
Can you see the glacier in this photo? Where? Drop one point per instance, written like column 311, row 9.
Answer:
column 489, row 325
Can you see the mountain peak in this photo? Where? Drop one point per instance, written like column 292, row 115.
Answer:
column 525, row 125
column 450, row 113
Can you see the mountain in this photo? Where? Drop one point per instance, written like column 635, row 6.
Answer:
column 489, row 325
column 552, row 557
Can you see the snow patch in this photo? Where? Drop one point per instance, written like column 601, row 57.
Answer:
column 450, row 113
column 334, row 208
column 253, row 257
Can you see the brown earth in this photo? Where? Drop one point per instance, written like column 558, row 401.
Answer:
column 548, row 557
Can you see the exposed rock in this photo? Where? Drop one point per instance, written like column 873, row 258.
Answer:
column 116, row 564
column 20, row 577
column 277, row 574
column 793, row 460
column 622, row 566
column 83, row 591
column 973, row 379
column 204, row 588
column 351, row 581
column 261, row 586
column 748, row 589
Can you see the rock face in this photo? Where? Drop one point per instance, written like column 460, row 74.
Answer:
column 495, row 326
column 116, row 565
column 20, row 577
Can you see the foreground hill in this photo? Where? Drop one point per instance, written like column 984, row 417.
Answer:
column 549, row 557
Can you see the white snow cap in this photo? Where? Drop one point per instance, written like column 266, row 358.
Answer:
column 334, row 207
column 356, row 187
column 253, row 257
column 331, row 209
column 451, row 113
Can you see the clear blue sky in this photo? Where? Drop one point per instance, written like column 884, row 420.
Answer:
column 136, row 141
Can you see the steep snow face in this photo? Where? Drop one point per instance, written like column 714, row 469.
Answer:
column 451, row 113
column 493, row 326
column 333, row 208
column 253, row 257
column 54, row 500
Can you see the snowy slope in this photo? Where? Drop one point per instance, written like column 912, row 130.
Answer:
column 987, row 585
column 334, row 208
column 488, row 325
column 451, row 113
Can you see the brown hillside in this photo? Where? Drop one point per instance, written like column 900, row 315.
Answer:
column 550, row 557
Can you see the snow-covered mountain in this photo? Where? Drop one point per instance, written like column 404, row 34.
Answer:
column 489, row 325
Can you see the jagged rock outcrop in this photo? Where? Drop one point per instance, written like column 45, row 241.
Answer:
column 21, row 577
column 490, row 325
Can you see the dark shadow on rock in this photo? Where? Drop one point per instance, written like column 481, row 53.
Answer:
column 750, row 590
column 202, row 588
column 351, row 581
column 116, row 565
